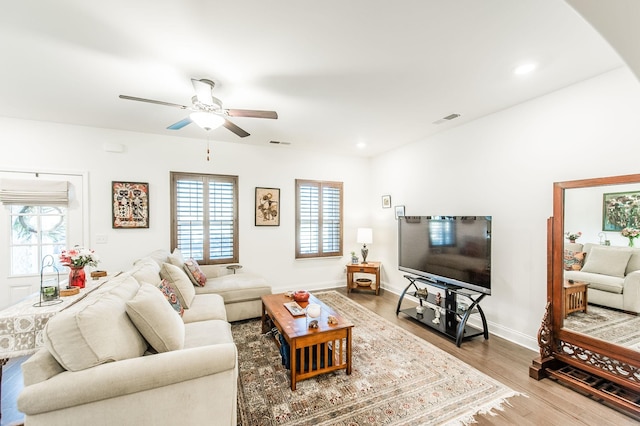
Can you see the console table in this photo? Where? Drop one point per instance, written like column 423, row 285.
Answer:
column 452, row 316
column 363, row 268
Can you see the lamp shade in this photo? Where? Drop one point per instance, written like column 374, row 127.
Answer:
column 365, row 235
column 206, row 120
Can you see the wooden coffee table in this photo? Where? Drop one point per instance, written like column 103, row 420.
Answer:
column 575, row 297
column 311, row 351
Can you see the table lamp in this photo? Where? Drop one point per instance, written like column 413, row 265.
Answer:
column 365, row 236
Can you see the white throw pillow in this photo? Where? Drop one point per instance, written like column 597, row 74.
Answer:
column 176, row 258
column 155, row 319
column 180, row 282
column 96, row 330
column 607, row 261
column 146, row 270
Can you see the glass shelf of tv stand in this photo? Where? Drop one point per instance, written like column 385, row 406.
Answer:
column 453, row 320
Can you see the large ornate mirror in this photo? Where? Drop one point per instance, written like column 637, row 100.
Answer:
column 590, row 334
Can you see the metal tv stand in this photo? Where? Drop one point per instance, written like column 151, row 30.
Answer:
column 452, row 317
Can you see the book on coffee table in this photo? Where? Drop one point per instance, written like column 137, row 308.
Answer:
column 294, row 308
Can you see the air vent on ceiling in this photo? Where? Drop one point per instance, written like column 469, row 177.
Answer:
column 447, row 118
column 280, row 143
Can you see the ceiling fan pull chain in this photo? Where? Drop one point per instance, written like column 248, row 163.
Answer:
column 208, row 150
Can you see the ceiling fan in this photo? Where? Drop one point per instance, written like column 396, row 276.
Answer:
column 207, row 110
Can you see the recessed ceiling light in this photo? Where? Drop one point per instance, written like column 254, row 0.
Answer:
column 361, row 145
column 525, row 68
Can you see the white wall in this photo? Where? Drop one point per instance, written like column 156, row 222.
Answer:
column 501, row 165
column 504, row 165
column 149, row 158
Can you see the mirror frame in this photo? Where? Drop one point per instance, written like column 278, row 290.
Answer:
column 560, row 346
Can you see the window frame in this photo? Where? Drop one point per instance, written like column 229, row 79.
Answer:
column 320, row 184
column 206, row 178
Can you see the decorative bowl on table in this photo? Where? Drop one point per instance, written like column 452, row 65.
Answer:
column 301, row 296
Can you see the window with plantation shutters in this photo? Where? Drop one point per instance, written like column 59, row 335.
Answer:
column 442, row 232
column 318, row 218
column 204, row 217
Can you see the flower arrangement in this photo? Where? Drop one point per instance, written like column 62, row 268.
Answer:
column 79, row 257
column 631, row 234
column 572, row 237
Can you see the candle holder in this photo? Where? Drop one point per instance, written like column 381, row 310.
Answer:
column 49, row 289
column 313, row 312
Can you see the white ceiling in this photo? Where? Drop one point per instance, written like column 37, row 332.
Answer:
column 338, row 72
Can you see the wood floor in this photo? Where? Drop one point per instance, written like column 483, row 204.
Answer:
column 546, row 402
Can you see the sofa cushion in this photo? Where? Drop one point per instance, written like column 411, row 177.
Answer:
column 96, row 330
column 159, row 256
column 573, row 260
column 634, row 261
column 203, row 333
column 194, row 272
column 180, row 282
column 170, row 296
column 236, row 287
column 146, row 270
column 155, row 319
column 205, row 307
column 607, row 261
column 175, row 258
column 606, row 283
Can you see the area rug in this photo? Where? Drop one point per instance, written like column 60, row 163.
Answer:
column 606, row 324
column 397, row 379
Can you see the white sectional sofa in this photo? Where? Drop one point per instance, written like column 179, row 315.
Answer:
column 613, row 273
column 123, row 354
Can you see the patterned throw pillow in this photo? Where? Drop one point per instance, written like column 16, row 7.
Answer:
column 171, row 297
column 573, row 260
column 194, row 272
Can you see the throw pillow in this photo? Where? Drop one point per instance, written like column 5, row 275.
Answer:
column 155, row 319
column 180, row 282
column 607, row 261
column 194, row 272
column 573, row 260
column 170, row 295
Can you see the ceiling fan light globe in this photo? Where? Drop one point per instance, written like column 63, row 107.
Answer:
column 206, row 120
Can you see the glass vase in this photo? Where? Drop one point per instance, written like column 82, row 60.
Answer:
column 631, row 242
column 77, row 277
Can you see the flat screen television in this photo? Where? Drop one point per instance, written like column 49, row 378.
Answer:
column 452, row 250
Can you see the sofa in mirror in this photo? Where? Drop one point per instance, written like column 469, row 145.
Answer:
column 590, row 334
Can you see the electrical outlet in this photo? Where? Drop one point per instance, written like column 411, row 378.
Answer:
column 101, row 238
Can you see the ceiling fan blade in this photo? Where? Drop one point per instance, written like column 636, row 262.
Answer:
column 235, row 129
column 251, row 113
column 151, row 101
column 203, row 90
column 180, row 124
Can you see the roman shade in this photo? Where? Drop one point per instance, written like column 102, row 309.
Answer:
column 34, row 192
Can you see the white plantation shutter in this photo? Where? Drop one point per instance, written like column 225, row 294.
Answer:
column 205, row 225
column 318, row 218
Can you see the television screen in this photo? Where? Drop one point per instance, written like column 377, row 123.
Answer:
column 453, row 250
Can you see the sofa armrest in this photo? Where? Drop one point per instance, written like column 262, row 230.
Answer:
column 126, row 377
column 631, row 292
column 214, row 271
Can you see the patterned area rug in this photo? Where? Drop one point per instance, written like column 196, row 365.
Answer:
column 397, row 379
column 607, row 324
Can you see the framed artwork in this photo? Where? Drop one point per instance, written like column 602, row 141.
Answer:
column 267, row 206
column 399, row 211
column 386, row 201
column 620, row 210
column 130, row 205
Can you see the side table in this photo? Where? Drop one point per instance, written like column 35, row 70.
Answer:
column 575, row 297
column 363, row 268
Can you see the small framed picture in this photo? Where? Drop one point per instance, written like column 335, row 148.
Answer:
column 267, row 206
column 386, row 201
column 399, row 211
column 130, row 205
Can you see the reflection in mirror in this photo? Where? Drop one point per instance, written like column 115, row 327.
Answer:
column 607, row 306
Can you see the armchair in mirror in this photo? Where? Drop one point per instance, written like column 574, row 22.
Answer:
column 590, row 333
